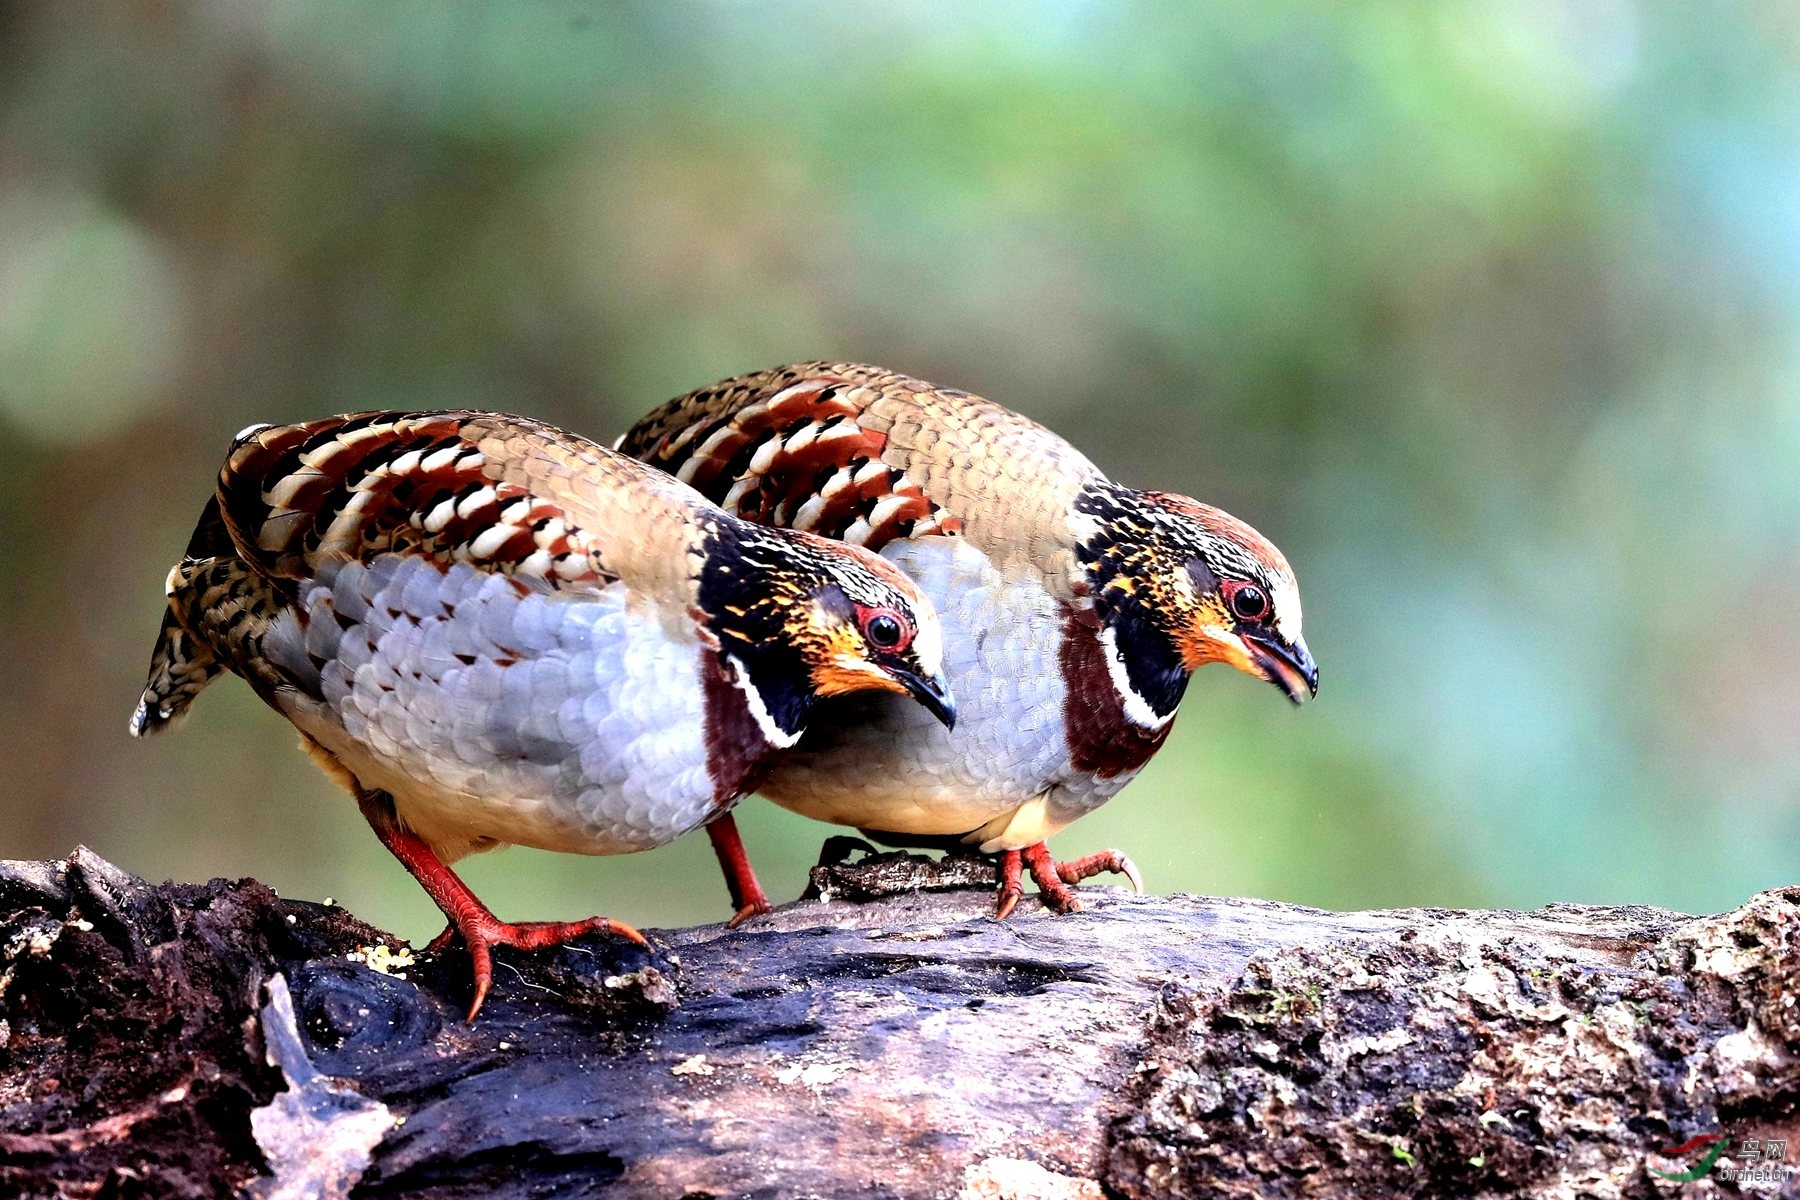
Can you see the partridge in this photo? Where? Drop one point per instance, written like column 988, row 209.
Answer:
column 493, row 632
column 1074, row 608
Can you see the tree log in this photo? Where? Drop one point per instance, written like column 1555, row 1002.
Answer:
column 215, row 1040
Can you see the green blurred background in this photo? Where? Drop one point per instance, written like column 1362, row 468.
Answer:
column 1488, row 313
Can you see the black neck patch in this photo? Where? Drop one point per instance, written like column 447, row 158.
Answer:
column 1151, row 662
column 753, row 600
column 1125, row 576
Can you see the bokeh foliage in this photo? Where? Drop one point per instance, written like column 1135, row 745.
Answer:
column 1486, row 312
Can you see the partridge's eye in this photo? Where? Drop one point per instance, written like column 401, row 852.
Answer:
column 883, row 631
column 1249, row 602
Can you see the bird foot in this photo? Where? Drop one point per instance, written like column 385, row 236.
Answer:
column 470, row 919
column 756, row 907
column 480, row 932
column 1056, row 880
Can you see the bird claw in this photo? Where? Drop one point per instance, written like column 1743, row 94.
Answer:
column 1055, row 880
column 758, row 907
column 481, row 932
column 1009, row 900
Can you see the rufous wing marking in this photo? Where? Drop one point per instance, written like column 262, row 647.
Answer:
column 804, row 458
column 370, row 484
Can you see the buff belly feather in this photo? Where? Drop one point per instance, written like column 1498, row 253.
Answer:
column 881, row 763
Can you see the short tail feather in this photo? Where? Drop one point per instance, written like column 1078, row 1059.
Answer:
column 179, row 668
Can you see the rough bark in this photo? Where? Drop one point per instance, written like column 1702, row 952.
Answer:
column 214, row 1040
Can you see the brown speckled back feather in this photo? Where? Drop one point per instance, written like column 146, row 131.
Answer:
column 508, row 493
column 868, row 455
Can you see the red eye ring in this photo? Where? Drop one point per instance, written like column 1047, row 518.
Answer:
column 1247, row 601
column 884, row 629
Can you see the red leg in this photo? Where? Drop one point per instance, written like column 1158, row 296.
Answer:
column 1054, row 879
column 747, row 896
column 1058, row 896
column 1010, row 890
column 481, row 930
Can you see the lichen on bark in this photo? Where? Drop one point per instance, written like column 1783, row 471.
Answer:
column 1474, row 1055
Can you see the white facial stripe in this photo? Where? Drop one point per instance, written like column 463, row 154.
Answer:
column 777, row 737
column 928, row 647
column 1286, row 598
column 1137, row 709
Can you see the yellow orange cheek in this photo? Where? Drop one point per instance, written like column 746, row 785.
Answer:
column 1211, row 645
column 841, row 665
column 834, row 678
column 1239, row 657
column 1206, row 637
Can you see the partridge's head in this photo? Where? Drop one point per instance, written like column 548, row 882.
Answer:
column 808, row 618
column 1179, row 584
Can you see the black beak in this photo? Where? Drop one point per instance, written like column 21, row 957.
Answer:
column 933, row 693
column 1288, row 666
